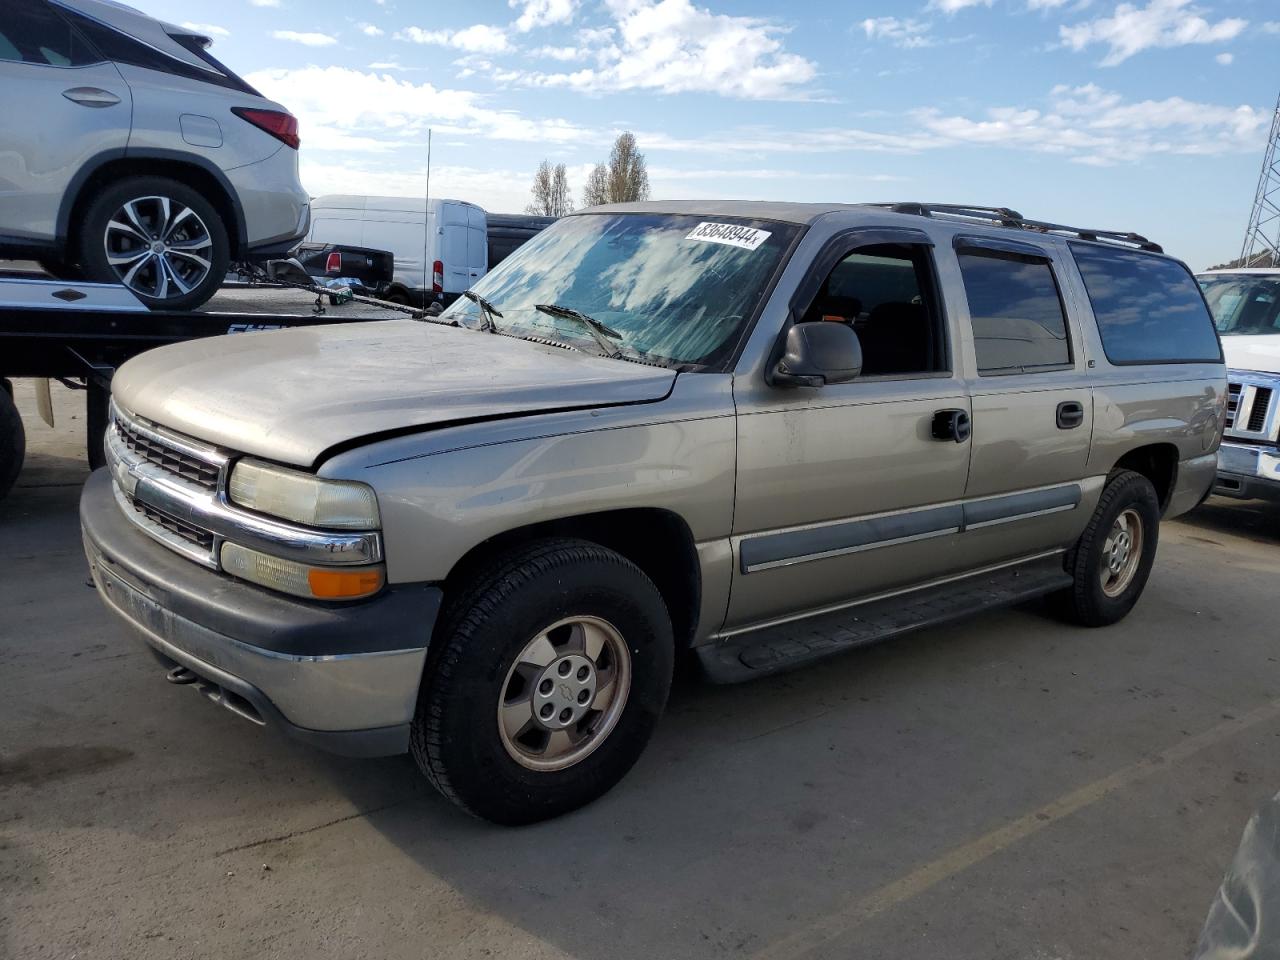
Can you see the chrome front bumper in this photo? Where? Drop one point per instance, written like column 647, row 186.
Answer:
column 1248, row 472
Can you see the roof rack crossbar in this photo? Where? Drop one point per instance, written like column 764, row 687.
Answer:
column 1005, row 217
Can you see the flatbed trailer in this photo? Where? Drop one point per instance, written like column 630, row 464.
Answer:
column 80, row 333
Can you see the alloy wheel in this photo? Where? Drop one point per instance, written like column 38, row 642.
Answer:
column 1121, row 553
column 564, row 694
column 158, row 247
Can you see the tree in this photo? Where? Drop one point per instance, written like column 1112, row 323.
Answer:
column 551, row 195
column 625, row 178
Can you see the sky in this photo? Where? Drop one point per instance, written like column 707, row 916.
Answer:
column 1149, row 116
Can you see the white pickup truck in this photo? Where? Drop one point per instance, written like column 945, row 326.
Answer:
column 1246, row 308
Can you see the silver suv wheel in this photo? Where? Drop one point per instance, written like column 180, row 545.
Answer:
column 158, row 247
column 563, row 695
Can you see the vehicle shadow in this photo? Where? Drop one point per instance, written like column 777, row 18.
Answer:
column 1257, row 520
column 754, row 798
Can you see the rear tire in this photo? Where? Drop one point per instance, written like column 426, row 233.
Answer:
column 159, row 238
column 13, row 440
column 1113, row 557
column 563, row 630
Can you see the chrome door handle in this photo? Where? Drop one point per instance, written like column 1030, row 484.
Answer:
column 91, row 97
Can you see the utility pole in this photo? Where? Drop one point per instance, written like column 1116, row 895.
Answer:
column 1262, row 239
column 426, row 226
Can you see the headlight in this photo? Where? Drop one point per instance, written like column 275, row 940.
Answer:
column 324, row 583
column 303, row 498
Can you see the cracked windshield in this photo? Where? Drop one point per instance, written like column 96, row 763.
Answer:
column 677, row 290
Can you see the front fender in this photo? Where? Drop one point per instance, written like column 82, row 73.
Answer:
column 444, row 492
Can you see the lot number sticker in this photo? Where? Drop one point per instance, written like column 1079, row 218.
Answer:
column 730, row 234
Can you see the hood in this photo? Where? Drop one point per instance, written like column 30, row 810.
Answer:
column 290, row 395
column 1259, row 352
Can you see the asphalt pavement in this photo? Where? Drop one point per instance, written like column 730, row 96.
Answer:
column 1006, row 787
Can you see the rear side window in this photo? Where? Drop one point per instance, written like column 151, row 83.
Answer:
column 121, row 48
column 32, row 32
column 1018, row 321
column 1148, row 308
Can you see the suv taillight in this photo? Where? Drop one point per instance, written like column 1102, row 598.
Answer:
column 333, row 264
column 437, row 277
column 283, row 126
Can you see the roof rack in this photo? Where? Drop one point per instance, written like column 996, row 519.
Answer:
column 1004, row 217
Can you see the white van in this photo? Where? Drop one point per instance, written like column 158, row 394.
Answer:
column 455, row 253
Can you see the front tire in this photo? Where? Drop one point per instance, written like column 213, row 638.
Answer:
column 1113, row 557
column 159, row 238
column 550, row 671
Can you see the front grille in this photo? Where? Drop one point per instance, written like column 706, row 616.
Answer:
column 1251, row 402
column 169, row 458
column 191, row 534
column 1261, row 404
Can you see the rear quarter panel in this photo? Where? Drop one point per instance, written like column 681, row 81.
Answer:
column 1180, row 404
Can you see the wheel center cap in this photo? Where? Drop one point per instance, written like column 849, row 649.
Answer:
column 563, row 692
column 157, row 246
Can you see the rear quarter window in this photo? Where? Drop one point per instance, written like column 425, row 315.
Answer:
column 1149, row 308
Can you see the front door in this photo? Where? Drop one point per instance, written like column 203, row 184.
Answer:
column 61, row 106
column 1032, row 404
column 844, row 491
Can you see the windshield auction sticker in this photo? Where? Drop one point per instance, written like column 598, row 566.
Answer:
column 730, row 234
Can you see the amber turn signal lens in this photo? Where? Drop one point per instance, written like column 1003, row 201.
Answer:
column 343, row 584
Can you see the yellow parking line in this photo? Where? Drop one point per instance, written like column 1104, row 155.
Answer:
column 825, row 929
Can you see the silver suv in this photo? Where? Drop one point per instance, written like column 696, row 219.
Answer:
column 763, row 432
column 139, row 158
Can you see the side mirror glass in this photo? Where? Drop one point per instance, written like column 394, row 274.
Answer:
column 817, row 354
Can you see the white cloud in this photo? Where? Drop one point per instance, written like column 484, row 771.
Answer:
column 1161, row 23
column 342, row 109
column 307, row 39
column 559, row 53
column 207, row 29
column 495, row 190
column 265, row 3
column 1271, row 26
column 672, row 46
column 385, row 65
column 1094, row 126
column 1049, row 4
column 1226, row 59
column 480, row 38
column 954, row 6
column 369, row 30
column 902, row 33
column 542, row 13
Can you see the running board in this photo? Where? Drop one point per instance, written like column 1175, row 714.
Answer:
column 800, row 642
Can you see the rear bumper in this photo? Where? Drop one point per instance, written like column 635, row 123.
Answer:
column 1248, row 472
column 340, row 677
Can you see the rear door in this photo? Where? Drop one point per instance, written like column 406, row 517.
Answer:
column 477, row 245
column 453, row 246
column 60, row 104
column 1032, row 403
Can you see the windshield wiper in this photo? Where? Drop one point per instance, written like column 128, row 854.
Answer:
column 598, row 330
column 487, row 309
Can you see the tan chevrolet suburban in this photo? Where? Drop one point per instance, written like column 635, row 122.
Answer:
column 763, row 432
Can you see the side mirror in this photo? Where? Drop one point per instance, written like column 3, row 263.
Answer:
column 817, row 354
